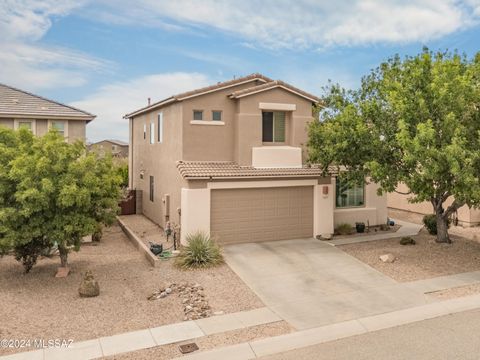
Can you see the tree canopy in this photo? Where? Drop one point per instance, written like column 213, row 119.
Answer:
column 415, row 121
column 52, row 193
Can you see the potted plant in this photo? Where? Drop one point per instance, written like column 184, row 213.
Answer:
column 360, row 226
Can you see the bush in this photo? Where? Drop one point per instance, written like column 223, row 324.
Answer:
column 344, row 229
column 200, row 252
column 430, row 222
column 407, row 240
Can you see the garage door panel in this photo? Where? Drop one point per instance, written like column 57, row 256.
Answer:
column 261, row 214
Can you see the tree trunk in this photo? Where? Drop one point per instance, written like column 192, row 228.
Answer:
column 442, row 229
column 63, row 251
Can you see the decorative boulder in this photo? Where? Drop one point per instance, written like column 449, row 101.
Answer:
column 89, row 286
column 388, row 258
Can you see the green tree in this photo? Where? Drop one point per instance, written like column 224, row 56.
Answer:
column 51, row 192
column 414, row 121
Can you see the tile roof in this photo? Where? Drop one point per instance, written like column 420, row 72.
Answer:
column 191, row 170
column 14, row 101
column 197, row 92
column 271, row 85
column 117, row 142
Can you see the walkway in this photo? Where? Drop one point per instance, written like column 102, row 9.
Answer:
column 406, row 229
column 144, row 339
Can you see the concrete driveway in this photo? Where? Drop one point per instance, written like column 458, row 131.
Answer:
column 310, row 283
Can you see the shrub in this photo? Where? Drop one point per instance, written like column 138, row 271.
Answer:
column 345, row 229
column 200, row 252
column 407, row 240
column 430, row 222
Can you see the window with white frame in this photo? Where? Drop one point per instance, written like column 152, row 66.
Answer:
column 273, row 126
column 59, row 126
column 152, row 133
column 197, row 114
column 349, row 195
column 216, row 115
column 160, row 127
column 25, row 124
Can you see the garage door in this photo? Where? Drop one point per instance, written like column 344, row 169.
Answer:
column 261, row 214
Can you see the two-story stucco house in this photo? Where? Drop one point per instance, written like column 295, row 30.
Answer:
column 229, row 159
column 116, row 148
column 20, row 108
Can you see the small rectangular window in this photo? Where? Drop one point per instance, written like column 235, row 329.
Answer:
column 160, row 128
column 144, row 131
column 348, row 195
column 25, row 125
column 267, row 126
column 152, row 188
column 197, row 114
column 152, row 133
column 59, row 126
column 216, row 115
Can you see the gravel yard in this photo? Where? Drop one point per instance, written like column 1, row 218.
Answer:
column 209, row 342
column 424, row 260
column 37, row 305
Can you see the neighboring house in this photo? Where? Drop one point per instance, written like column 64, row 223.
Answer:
column 465, row 216
column 20, row 108
column 117, row 148
column 229, row 159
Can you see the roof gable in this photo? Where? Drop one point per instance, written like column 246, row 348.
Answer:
column 16, row 102
column 273, row 85
column 205, row 90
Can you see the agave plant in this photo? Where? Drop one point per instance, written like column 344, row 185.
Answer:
column 201, row 251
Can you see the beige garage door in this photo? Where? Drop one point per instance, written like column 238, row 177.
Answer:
column 262, row 214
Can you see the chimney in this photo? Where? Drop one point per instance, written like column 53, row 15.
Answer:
column 148, row 101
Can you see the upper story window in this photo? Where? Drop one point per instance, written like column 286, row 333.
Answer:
column 348, row 195
column 160, row 127
column 273, row 126
column 152, row 132
column 59, row 126
column 216, row 115
column 144, row 131
column 25, row 124
column 114, row 147
column 197, row 114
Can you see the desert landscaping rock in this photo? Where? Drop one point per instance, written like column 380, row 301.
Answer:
column 387, row 258
column 89, row 286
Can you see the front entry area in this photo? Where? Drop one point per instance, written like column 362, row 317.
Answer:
column 261, row 214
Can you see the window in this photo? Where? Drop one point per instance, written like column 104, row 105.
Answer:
column 59, row 126
column 25, row 124
column 152, row 185
column 114, row 147
column 197, row 114
column 160, row 127
column 144, row 131
column 273, row 126
column 349, row 196
column 152, row 133
column 216, row 115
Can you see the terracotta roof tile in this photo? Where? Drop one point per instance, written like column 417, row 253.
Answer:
column 184, row 95
column 14, row 101
column 227, row 170
column 273, row 84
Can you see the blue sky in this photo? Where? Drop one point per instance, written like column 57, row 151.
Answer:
column 108, row 57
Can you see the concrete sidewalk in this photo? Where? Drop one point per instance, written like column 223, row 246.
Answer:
column 148, row 338
column 300, row 339
column 406, row 229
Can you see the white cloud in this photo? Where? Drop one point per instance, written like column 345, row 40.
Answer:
column 312, row 23
column 111, row 102
column 25, row 62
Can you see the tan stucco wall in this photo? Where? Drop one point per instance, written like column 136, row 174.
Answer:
column 7, row 123
column 277, row 156
column 210, row 142
column 249, row 121
column 158, row 160
column 75, row 128
column 374, row 212
column 466, row 216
